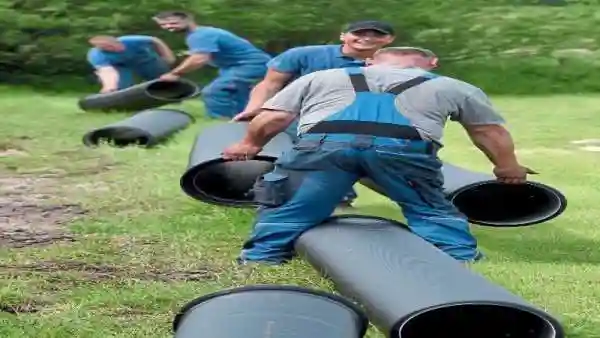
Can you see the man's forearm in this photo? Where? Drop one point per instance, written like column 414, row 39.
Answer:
column 108, row 76
column 164, row 51
column 192, row 62
column 260, row 94
column 266, row 125
column 496, row 143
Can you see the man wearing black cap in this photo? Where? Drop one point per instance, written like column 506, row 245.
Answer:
column 360, row 40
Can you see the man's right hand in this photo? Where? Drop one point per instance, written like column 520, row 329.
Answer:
column 245, row 115
column 515, row 174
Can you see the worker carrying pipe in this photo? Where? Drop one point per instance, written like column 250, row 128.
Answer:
column 117, row 59
column 385, row 122
column 360, row 40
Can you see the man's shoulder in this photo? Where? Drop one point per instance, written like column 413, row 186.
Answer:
column 309, row 50
column 457, row 86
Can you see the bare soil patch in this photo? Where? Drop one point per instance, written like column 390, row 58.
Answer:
column 26, row 216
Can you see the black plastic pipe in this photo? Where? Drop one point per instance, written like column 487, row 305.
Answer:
column 487, row 202
column 211, row 179
column 146, row 95
column 146, row 128
column 270, row 311
column 410, row 289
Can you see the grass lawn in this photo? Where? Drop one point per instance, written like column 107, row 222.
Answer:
column 140, row 248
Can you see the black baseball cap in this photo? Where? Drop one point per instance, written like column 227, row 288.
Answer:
column 370, row 25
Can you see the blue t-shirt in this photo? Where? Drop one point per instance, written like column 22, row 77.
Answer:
column 227, row 50
column 138, row 49
column 300, row 61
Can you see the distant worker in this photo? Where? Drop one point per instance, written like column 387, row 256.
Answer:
column 360, row 40
column 384, row 122
column 117, row 60
column 241, row 65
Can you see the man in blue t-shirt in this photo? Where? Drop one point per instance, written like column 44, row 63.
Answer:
column 360, row 40
column 240, row 63
column 117, row 60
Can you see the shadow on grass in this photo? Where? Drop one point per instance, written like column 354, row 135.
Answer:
column 543, row 243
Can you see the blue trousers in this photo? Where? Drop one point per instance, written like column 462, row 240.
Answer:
column 321, row 174
column 146, row 70
column 228, row 94
column 292, row 131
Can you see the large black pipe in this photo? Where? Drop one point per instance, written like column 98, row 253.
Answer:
column 211, row 179
column 146, row 128
column 485, row 201
column 410, row 289
column 270, row 311
column 146, row 95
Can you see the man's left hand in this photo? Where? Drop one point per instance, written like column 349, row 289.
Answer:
column 169, row 77
column 241, row 151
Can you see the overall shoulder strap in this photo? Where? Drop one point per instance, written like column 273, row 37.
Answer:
column 359, row 82
column 410, row 83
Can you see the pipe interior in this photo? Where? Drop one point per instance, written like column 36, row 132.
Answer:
column 171, row 90
column 477, row 321
column 120, row 137
column 232, row 180
column 494, row 203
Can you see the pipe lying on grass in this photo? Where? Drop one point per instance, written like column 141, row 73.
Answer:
column 264, row 311
column 146, row 128
column 487, row 202
column 146, row 95
column 410, row 289
column 211, row 179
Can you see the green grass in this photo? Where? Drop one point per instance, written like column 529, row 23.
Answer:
column 144, row 248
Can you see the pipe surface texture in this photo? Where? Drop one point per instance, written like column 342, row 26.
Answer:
column 487, row 202
column 277, row 311
column 211, row 179
column 146, row 95
column 410, row 289
column 146, row 128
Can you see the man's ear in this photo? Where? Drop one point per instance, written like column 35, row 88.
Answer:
column 342, row 35
column 369, row 62
column 434, row 62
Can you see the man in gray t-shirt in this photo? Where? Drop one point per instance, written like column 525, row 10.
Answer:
column 384, row 122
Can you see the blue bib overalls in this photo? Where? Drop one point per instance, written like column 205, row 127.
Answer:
column 369, row 138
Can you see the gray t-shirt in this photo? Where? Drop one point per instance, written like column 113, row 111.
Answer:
column 428, row 106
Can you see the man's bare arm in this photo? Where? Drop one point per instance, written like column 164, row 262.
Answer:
column 109, row 77
column 163, row 50
column 192, row 62
column 495, row 142
column 266, row 125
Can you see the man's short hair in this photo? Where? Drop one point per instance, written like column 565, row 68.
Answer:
column 406, row 50
column 173, row 14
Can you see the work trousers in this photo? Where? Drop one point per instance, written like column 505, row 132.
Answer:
column 309, row 180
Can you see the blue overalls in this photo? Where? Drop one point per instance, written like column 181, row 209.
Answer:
column 369, row 138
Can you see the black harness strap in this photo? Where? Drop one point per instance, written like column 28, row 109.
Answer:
column 366, row 128
column 359, row 82
column 407, row 85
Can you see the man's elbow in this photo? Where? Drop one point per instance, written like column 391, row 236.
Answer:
column 487, row 130
column 198, row 59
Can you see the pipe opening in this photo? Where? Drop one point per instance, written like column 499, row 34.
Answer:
column 119, row 137
column 226, row 182
column 171, row 90
column 496, row 204
column 476, row 321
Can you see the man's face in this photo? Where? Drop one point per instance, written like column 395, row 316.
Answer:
column 109, row 46
column 173, row 24
column 368, row 39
